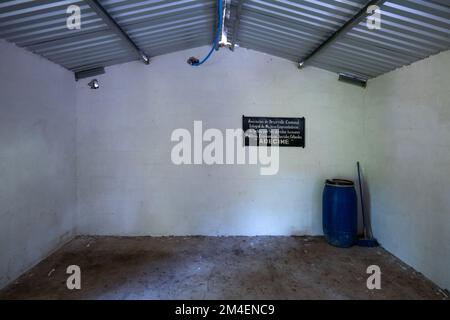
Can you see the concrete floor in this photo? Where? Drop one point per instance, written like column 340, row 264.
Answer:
column 218, row 268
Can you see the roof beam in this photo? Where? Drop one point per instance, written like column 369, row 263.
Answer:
column 356, row 19
column 236, row 24
column 114, row 27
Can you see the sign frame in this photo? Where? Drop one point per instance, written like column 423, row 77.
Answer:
column 293, row 142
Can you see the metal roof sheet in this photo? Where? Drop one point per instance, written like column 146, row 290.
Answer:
column 291, row 29
column 410, row 30
column 156, row 26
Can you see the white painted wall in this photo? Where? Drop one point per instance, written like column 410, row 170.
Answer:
column 407, row 129
column 119, row 158
column 127, row 184
column 37, row 159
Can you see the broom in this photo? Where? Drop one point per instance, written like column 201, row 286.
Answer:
column 368, row 239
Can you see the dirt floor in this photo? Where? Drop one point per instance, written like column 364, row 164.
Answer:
column 218, row 268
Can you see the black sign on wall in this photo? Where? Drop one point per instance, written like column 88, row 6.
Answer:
column 291, row 131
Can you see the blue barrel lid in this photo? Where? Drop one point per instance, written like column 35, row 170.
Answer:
column 339, row 182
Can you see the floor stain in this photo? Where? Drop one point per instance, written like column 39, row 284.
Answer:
column 262, row 267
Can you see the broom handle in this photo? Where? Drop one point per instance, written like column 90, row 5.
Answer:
column 362, row 202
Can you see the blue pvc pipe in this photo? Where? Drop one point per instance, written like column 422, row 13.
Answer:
column 216, row 38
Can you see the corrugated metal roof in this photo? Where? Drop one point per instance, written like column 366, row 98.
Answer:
column 410, row 30
column 291, row 29
column 156, row 26
column 40, row 26
column 160, row 27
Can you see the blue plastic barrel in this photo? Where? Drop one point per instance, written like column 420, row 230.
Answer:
column 340, row 220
